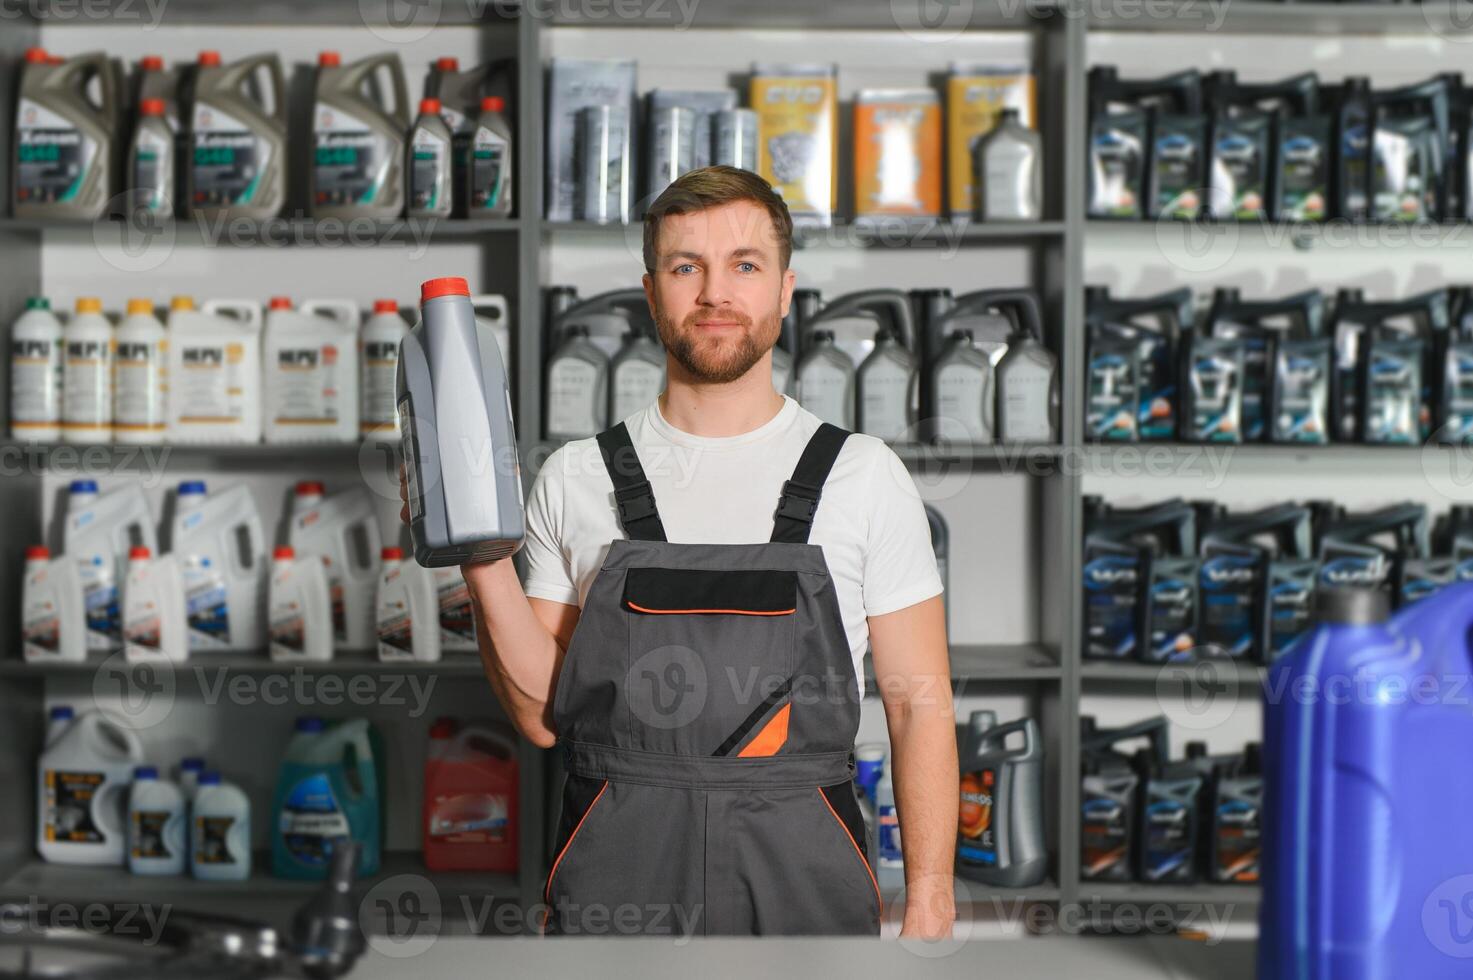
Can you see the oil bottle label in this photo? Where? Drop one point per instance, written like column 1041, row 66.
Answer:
column 409, row 449
column 977, row 844
column 205, row 601
column 350, row 162
column 429, row 165
column 228, row 159
column 87, row 384
column 470, row 818
column 151, row 163
column 884, row 391
column 457, row 620
column 823, row 389
column 395, row 631
column 41, row 628
column 489, row 157
column 69, row 796
column 35, row 383
column 138, row 399
column 1112, row 596
column 1104, row 837
column 960, row 392
column 303, row 390
column 54, row 157
column 1237, row 841
column 288, row 630
column 380, row 365
column 212, row 840
column 1025, row 395
column 100, row 597
column 311, row 819
column 636, row 385
column 572, row 409
column 1168, row 840
column 1303, row 177
column 210, row 387
column 143, row 632
column 148, row 833
column 1229, row 584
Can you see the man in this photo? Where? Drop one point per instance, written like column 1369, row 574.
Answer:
column 702, row 582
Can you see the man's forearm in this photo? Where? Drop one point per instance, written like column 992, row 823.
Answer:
column 521, row 656
column 927, row 787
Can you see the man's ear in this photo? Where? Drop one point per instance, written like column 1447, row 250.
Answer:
column 649, row 294
column 790, row 279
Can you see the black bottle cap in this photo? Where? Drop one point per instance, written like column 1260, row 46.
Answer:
column 1352, row 607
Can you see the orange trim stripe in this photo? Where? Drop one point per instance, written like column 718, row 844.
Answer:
column 732, row 612
column 547, row 889
column 773, row 736
column 852, row 842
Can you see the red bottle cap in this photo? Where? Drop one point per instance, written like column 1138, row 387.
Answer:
column 209, row 59
column 430, row 106
column 281, row 302
column 284, row 551
column 138, row 551
column 447, row 64
column 448, row 286
column 309, row 486
column 151, row 62
column 443, row 728
column 493, row 103
column 329, row 59
column 38, row 551
column 36, row 56
column 392, row 554
column 151, row 107
column 386, row 306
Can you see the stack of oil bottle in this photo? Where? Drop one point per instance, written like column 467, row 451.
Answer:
column 905, row 366
column 1282, row 370
column 1181, row 580
column 211, row 139
column 1147, row 817
column 1188, row 146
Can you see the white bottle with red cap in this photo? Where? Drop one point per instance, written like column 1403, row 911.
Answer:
column 154, row 620
column 343, row 532
column 53, row 617
column 378, row 357
column 408, row 617
column 140, row 382
column 428, row 168
column 311, row 369
column 300, row 613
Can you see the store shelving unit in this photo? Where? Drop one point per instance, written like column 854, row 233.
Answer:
column 1047, row 669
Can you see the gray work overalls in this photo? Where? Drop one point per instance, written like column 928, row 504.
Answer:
column 707, row 709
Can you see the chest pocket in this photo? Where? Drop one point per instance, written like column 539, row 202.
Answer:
column 711, row 659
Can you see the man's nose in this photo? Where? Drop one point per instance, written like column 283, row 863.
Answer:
column 714, row 291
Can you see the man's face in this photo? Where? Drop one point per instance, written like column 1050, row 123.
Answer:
column 717, row 293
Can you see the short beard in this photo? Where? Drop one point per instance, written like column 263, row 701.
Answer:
column 709, row 361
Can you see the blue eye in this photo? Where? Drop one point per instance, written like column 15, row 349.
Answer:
column 684, row 265
column 748, row 266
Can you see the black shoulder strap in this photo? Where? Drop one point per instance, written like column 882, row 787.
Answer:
column 633, row 495
column 799, row 502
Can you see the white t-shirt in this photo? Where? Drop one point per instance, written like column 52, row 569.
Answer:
column 870, row 523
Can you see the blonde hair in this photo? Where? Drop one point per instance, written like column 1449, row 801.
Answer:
column 712, row 187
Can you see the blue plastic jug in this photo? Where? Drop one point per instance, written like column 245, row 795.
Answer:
column 1368, row 845
column 327, row 791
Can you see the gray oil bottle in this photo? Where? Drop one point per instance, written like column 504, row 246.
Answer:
column 961, row 381
column 1027, row 379
column 455, row 414
column 577, row 387
column 1010, row 171
column 1110, row 794
column 1000, row 834
column 151, row 184
column 636, row 375
column 488, row 166
column 65, row 139
column 1236, row 815
column 358, row 120
column 429, row 165
column 237, row 138
column 826, row 381
column 888, row 389
column 1170, row 820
